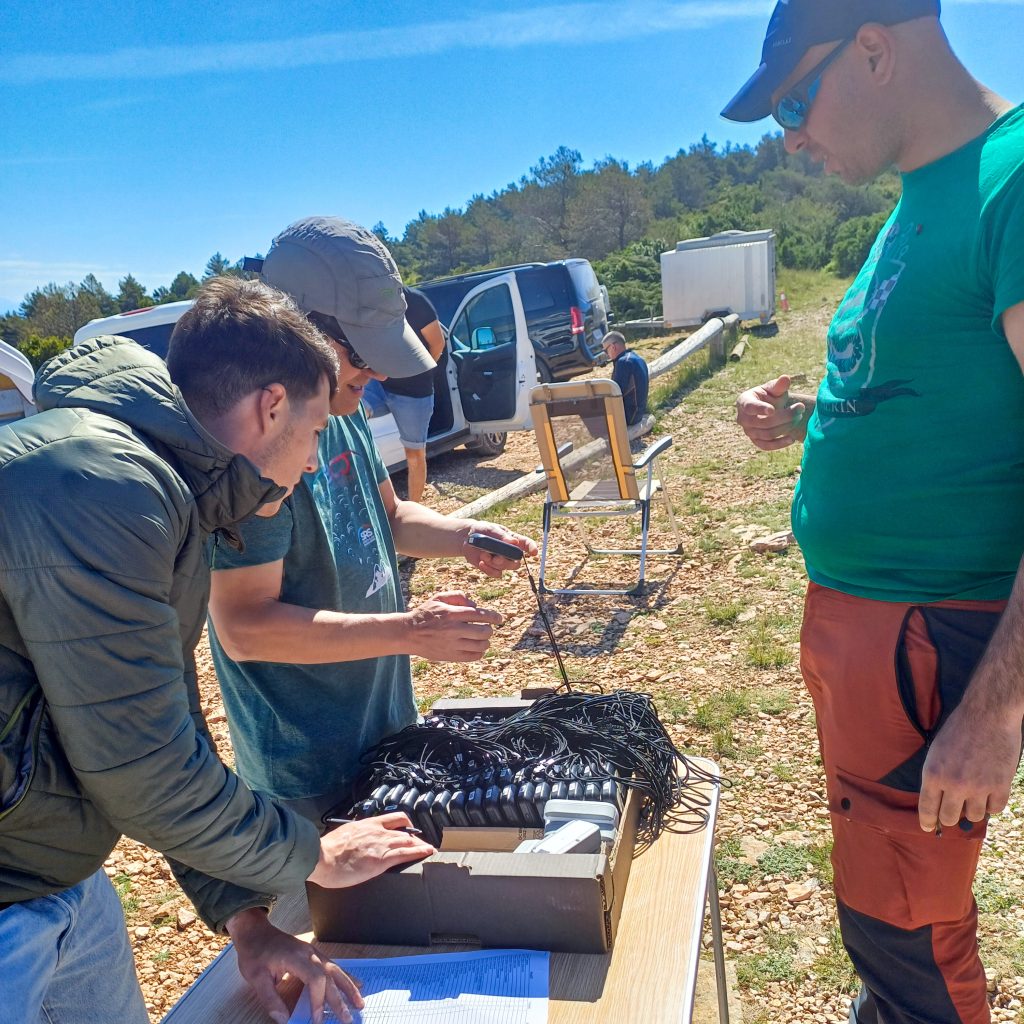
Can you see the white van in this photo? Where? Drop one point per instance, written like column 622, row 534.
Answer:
column 16, row 376
column 481, row 386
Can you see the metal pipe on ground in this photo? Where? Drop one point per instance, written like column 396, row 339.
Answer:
column 740, row 349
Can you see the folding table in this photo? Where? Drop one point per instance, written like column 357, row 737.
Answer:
column 650, row 974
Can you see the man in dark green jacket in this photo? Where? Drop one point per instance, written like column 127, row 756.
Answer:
column 106, row 501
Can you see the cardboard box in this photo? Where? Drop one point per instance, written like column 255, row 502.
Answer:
column 487, row 896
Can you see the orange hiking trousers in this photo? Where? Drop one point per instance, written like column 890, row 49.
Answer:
column 884, row 677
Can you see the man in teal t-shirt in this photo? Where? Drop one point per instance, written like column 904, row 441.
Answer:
column 910, row 504
column 310, row 637
column 333, row 541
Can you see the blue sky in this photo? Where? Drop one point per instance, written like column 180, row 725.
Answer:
column 144, row 137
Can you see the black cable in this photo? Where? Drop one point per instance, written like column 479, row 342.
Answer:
column 571, row 738
column 547, row 625
column 564, row 739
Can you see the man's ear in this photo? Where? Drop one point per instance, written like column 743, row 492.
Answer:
column 272, row 403
column 876, row 46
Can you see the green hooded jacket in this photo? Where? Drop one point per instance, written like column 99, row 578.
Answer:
column 107, row 498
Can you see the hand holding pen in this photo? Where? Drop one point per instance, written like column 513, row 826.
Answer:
column 360, row 850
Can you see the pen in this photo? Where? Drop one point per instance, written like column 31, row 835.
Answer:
column 407, row 829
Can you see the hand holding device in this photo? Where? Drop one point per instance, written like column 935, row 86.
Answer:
column 494, row 546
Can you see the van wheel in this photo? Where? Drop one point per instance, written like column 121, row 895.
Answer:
column 487, row 444
column 544, row 374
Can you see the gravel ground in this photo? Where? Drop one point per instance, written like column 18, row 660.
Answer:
column 715, row 642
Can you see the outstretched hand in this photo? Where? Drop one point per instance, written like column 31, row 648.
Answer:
column 361, row 850
column 494, row 565
column 449, row 626
column 770, row 417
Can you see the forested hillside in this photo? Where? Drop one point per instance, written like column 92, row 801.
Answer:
column 618, row 217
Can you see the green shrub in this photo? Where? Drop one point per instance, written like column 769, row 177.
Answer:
column 853, row 242
column 38, row 349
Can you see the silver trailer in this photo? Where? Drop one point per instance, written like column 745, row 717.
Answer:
column 731, row 272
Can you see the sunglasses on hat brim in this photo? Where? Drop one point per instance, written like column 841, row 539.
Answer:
column 329, row 326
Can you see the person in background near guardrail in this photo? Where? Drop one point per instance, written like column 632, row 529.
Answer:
column 908, row 507
column 308, row 629
column 630, row 373
column 411, row 399
column 109, row 495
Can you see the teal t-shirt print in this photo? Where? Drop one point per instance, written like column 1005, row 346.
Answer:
column 342, row 502
column 848, row 389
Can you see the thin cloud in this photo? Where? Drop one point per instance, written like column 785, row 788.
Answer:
column 564, row 24
column 109, row 103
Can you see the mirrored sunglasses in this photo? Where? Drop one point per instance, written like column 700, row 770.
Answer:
column 792, row 109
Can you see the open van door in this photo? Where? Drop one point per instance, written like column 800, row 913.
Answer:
column 16, row 376
column 493, row 357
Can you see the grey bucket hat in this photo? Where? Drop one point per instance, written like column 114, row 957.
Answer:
column 337, row 268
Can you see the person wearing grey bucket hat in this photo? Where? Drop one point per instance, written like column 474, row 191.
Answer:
column 338, row 269
column 309, row 632
column 907, row 509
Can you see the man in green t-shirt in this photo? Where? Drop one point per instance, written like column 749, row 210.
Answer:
column 910, row 504
column 309, row 633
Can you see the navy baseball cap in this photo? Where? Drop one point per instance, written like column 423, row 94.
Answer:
column 796, row 26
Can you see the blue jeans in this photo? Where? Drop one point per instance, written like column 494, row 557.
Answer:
column 412, row 415
column 65, row 959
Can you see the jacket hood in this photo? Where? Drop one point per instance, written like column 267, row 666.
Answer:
column 119, row 378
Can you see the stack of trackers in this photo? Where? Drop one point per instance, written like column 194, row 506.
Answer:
column 565, row 763
column 494, row 796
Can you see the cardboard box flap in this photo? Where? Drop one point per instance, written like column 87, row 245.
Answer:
column 486, row 839
column 524, row 865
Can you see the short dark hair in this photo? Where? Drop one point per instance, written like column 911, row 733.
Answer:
column 240, row 336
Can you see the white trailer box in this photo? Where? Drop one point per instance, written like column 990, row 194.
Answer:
column 731, row 272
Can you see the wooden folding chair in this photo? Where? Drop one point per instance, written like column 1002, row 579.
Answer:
column 593, row 409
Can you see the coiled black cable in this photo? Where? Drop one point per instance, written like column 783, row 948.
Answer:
column 568, row 737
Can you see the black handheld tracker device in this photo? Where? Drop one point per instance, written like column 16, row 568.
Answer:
column 495, row 546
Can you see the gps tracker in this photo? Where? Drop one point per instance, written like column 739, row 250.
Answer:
column 494, row 546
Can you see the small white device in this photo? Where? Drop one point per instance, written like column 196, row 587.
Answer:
column 604, row 815
column 572, row 837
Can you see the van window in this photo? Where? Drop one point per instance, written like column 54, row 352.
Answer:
column 446, row 297
column 156, row 338
column 487, row 322
column 542, row 289
column 585, row 280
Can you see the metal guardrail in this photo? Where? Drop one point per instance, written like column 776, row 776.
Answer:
column 713, row 335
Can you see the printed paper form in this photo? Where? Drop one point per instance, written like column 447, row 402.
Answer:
column 492, row 986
